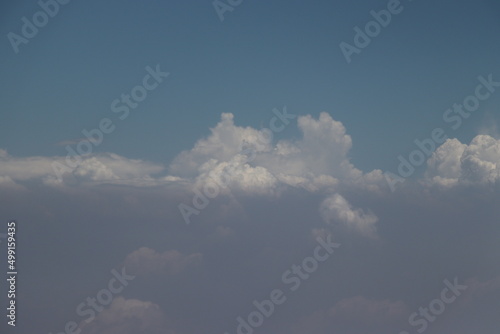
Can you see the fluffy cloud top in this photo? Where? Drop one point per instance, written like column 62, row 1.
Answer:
column 456, row 163
column 246, row 158
column 224, row 143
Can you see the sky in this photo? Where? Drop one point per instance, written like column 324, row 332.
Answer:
column 236, row 166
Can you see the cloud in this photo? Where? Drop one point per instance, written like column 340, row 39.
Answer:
column 374, row 311
column 6, row 181
column 147, row 261
column 235, row 252
column 21, row 169
column 237, row 158
column 236, row 174
column 444, row 166
column 224, row 143
column 98, row 168
column 456, row 163
column 243, row 158
column 478, row 290
column 246, row 159
column 231, row 159
column 355, row 314
column 337, row 210
column 128, row 316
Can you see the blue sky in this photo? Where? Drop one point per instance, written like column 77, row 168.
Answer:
column 188, row 195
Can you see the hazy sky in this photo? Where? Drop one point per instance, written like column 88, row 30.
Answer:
column 218, row 153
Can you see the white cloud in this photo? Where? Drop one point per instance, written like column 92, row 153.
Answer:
column 456, row 163
column 239, row 158
column 245, row 158
column 444, row 164
column 224, row 143
column 21, row 169
column 337, row 210
column 100, row 168
column 237, row 174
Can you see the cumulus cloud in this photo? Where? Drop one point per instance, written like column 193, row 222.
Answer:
column 245, row 158
column 128, row 316
column 236, row 174
column 224, row 143
column 444, row 165
column 147, row 261
column 337, row 210
column 317, row 160
column 234, row 158
column 456, row 163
